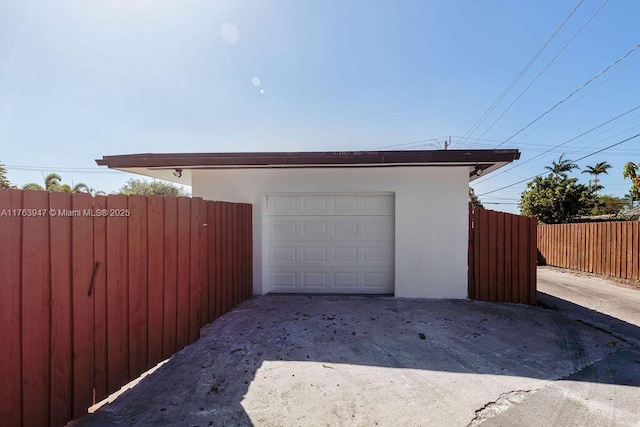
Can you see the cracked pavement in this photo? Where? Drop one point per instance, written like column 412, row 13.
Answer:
column 286, row 360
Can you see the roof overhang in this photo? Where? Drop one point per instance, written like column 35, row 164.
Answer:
column 176, row 167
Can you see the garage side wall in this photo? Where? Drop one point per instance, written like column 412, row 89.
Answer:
column 431, row 215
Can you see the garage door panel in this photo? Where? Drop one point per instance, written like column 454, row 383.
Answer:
column 379, row 280
column 281, row 205
column 320, row 243
column 330, row 254
column 331, row 205
column 331, row 229
column 315, row 229
column 339, row 280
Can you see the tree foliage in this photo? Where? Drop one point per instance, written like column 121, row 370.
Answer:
column 631, row 171
column 560, row 168
column 53, row 182
column 149, row 188
column 557, row 199
column 597, row 169
column 474, row 201
column 4, row 181
column 609, row 204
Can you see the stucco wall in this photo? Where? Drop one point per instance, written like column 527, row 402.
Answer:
column 431, row 215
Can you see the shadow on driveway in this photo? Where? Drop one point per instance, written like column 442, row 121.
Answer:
column 352, row 360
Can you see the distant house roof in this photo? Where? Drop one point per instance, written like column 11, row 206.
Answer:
column 478, row 161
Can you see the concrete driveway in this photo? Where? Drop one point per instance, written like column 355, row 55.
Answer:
column 329, row 360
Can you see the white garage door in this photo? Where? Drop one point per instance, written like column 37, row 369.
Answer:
column 330, row 243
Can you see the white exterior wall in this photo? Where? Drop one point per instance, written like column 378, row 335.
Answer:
column 431, row 216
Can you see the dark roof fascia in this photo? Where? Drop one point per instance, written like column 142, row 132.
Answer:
column 344, row 158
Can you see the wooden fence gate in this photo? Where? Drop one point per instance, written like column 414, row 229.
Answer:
column 96, row 290
column 502, row 257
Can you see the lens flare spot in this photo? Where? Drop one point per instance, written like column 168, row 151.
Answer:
column 255, row 81
column 229, row 33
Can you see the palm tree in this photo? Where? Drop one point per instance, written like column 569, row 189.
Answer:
column 4, row 181
column 80, row 188
column 95, row 192
column 596, row 170
column 33, row 186
column 53, row 182
column 561, row 167
column 630, row 171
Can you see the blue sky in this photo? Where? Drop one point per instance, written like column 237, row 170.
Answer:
column 82, row 79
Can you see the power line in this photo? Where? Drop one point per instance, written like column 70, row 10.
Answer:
column 411, row 143
column 59, row 169
column 504, row 93
column 578, row 99
column 585, row 84
column 545, row 68
column 564, row 143
column 577, row 160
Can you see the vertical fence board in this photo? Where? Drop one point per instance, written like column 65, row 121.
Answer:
column 249, row 254
column 629, row 226
column 196, row 274
column 211, row 265
column 117, row 295
column 236, row 246
column 219, row 260
column 508, row 239
column 523, row 261
column 83, row 303
column 532, row 264
column 137, row 285
column 500, row 253
column 623, row 250
column 155, row 292
column 483, row 225
column 476, row 254
column 470, row 279
column 241, row 281
column 635, row 247
column 170, row 276
column 492, row 236
column 183, row 271
column 250, row 240
column 224, row 255
column 10, row 304
column 100, row 300
column 618, row 253
column 203, row 241
column 611, row 247
column 35, row 312
column 516, row 231
column 61, row 326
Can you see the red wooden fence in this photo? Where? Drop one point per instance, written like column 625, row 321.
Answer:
column 607, row 248
column 96, row 290
column 502, row 257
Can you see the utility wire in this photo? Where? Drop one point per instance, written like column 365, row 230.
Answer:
column 545, row 68
column 585, row 84
column 560, row 145
column 577, row 100
column 577, row 160
column 411, row 143
column 60, row 169
column 504, row 93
